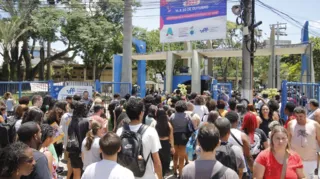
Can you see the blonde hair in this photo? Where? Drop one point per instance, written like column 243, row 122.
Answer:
column 95, row 126
column 275, row 130
column 196, row 118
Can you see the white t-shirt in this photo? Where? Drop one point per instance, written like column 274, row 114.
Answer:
column 64, row 125
column 92, row 155
column 200, row 110
column 107, row 169
column 151, row 144
column 18, row 124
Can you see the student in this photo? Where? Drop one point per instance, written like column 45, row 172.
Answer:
column 108, row 167
column 16, row 160
column 207, row 166
column 150, row 139
column 30, row 134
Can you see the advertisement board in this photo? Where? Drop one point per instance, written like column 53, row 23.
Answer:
column 72, row 90
column 191, row 20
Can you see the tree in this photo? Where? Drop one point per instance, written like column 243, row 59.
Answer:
column 46, row 22
column 225, row 66
column 152, row 39
column 10, row 32
column 316, row 57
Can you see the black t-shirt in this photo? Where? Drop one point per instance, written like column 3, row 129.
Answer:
column 41, row 168
column 264, row 125
column 80, row 127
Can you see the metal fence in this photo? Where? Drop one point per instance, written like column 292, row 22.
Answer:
column 23, row 88
column 30, row 88
column 110, row 88
column 221, row 90
column 298, row 93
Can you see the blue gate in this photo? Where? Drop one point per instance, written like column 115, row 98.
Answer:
column 221, row 90
column 298, row 93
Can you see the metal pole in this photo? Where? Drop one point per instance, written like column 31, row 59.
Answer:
column 126, row 75
column 252, row 48
column 246, row 62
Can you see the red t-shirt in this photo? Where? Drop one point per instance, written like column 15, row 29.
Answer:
column 292, row 117
column 273, row 168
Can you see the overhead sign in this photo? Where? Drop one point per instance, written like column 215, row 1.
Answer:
column 72, row 90
column 190, row 20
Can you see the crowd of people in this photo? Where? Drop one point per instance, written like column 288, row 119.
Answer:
column 134, row 137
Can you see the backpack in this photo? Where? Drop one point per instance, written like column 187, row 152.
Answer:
column 131, row 154
column 73, row 144
column 226, row 156
column 203, row 117
column 7, row 132
column 191, row 146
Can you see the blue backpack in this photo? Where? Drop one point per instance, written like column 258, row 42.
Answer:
column 191, row 146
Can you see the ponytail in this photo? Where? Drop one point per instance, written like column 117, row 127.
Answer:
column 95, row 126
column 89, row 140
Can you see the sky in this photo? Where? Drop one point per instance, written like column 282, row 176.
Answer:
column 147, row 16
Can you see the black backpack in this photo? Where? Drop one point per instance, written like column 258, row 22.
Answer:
column 7, row 132
column 226, row 156
column 131, row 154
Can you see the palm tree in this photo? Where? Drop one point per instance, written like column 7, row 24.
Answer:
column 10, row 32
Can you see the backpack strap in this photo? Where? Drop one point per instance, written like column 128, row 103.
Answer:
column 142, row 129
column 127, row 128
column 220, row 173
column 234, row 137
column 203, row 117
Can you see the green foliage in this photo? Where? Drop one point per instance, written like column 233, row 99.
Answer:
column 46, row 22
column 183, row 89
column 10, row 31
column 316, row 57
column 152, row 39
column 67, row 71
column 272, row 92
column 227, row 66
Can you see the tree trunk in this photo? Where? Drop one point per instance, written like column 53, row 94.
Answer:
column 94, row 70
column 14, row 62
column 48, row 63
column 5, row 66
column 41, row 63
column 27, row 60
column 20, row 72
column 225, row 71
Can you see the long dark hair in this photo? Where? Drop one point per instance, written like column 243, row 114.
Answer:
column 260, row 112
column 79, row 112
column 33, row 114
column 59, row 108
column 162, row 126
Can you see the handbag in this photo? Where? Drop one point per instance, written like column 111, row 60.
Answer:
column 284, row 166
